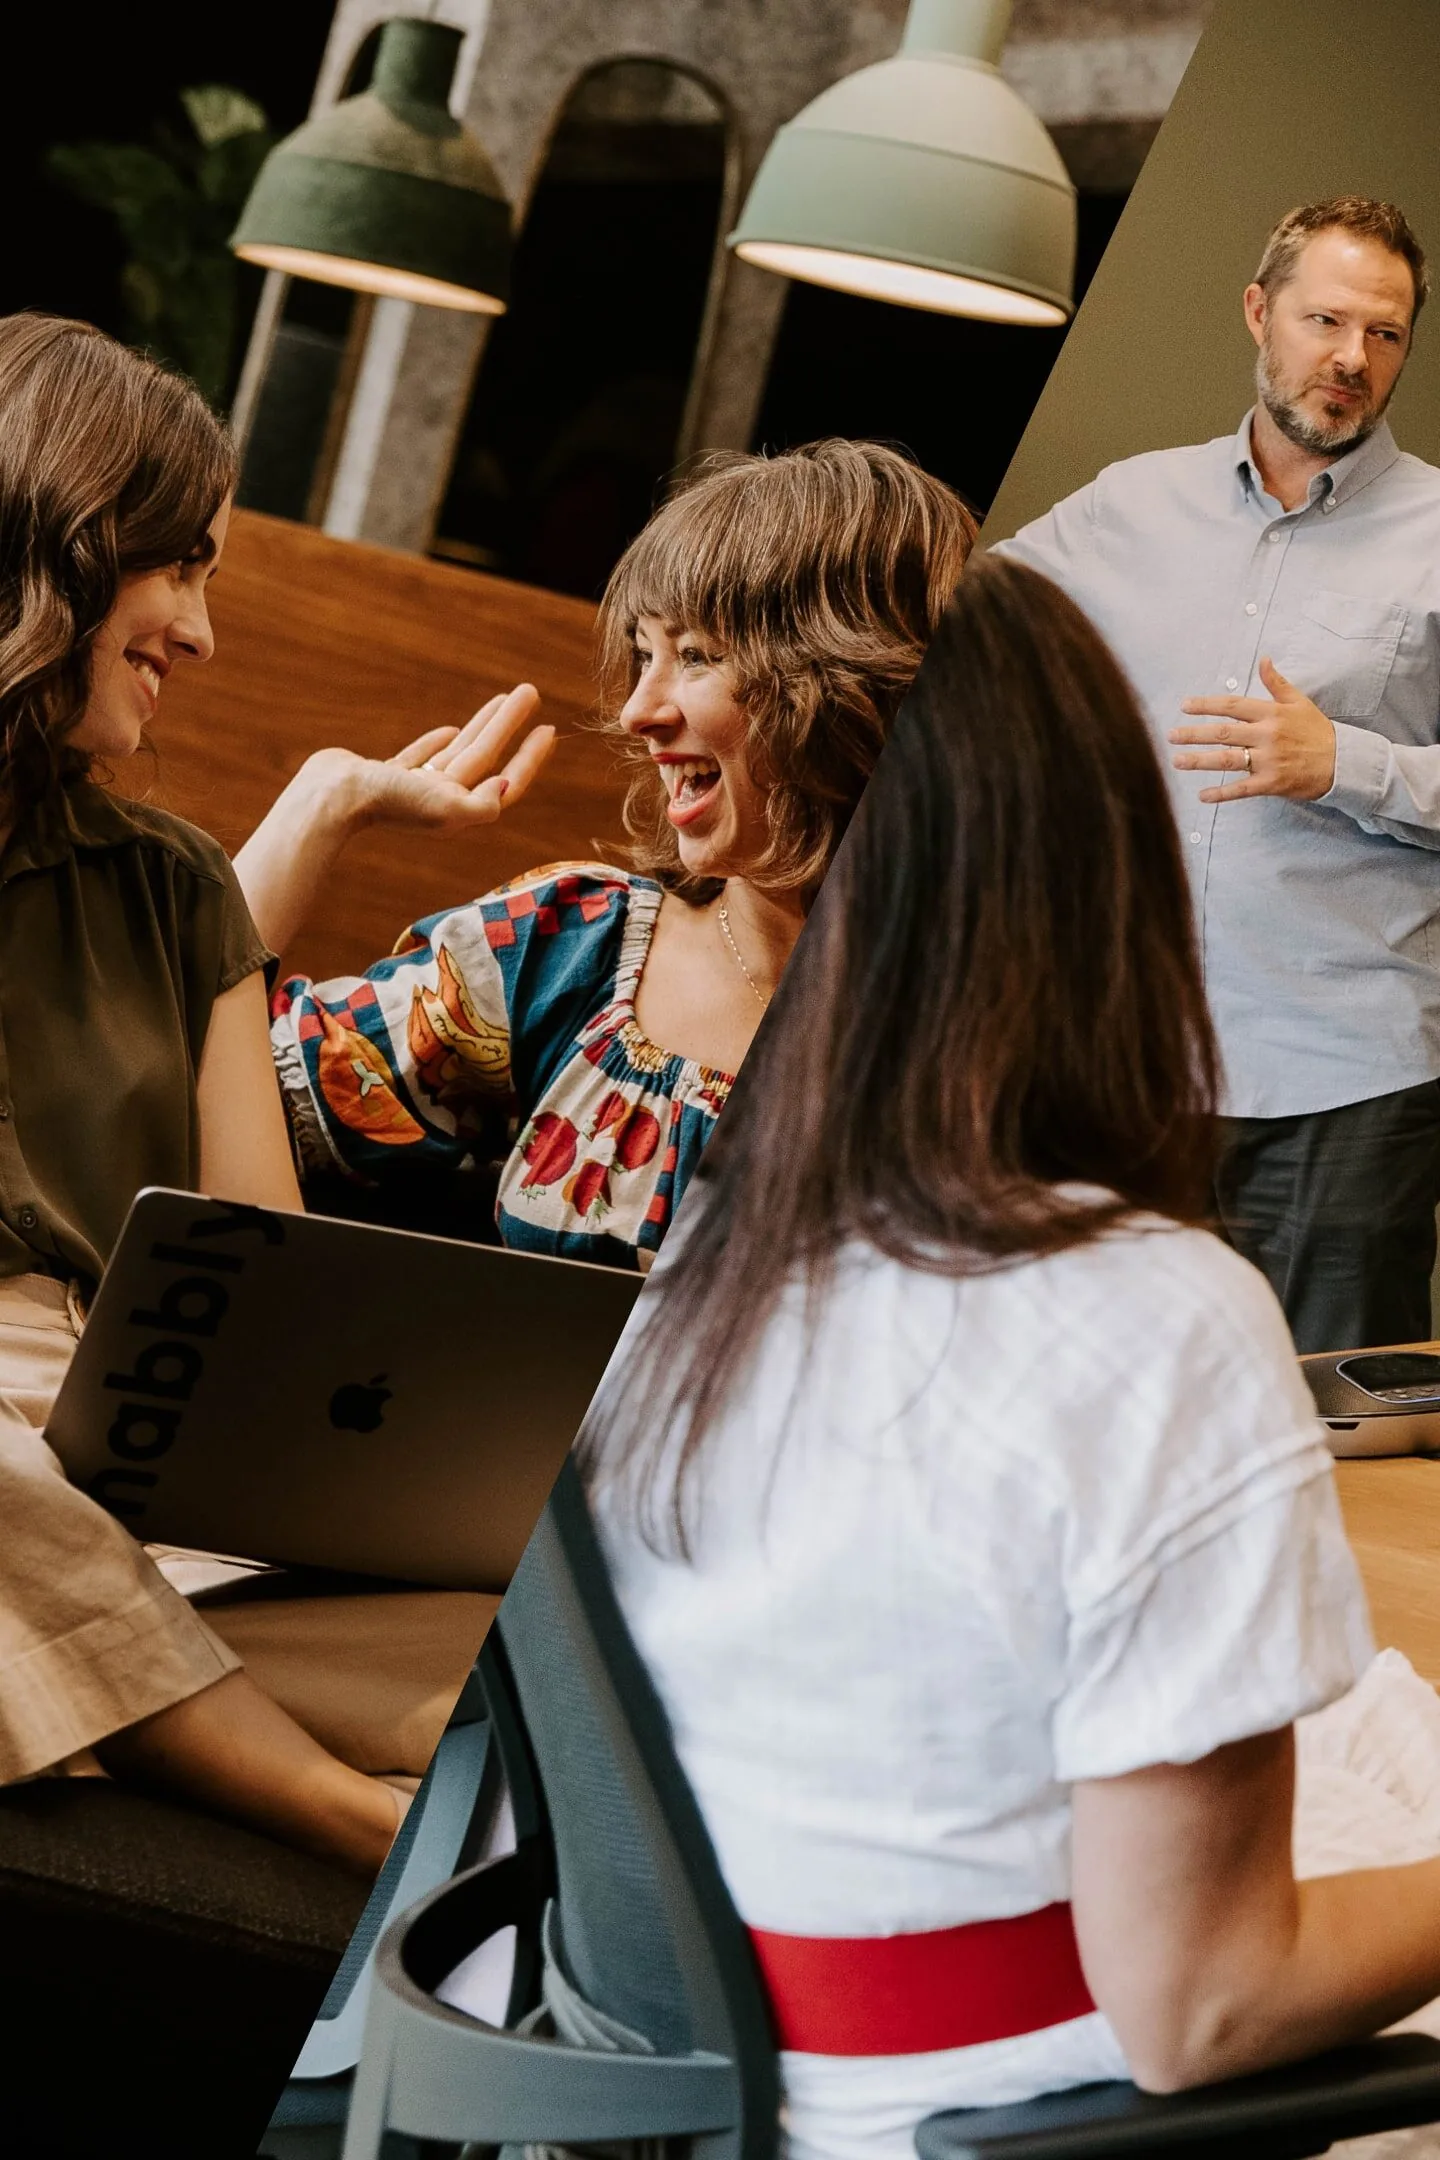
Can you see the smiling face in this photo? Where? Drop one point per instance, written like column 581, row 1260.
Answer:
column 683, row 707
column 159, row 617
column 1333, row 340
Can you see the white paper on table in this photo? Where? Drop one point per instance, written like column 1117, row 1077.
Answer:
column 1368, row 1786
column 193, row 1572
column 480, row 1983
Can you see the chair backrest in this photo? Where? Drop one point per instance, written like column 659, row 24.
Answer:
column 649, row 1933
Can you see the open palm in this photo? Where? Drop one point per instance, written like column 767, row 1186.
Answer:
column 451, row 778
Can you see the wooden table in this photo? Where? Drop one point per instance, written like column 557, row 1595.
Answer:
column 1392, row 1513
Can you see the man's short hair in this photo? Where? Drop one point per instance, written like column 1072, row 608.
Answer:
column 1361, row 215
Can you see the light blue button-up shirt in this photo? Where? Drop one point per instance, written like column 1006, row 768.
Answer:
column 1319, row 921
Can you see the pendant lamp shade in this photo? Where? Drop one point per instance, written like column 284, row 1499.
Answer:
column 387, row 192
column 924, row 180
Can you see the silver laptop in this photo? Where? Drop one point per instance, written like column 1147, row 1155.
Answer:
column 321, row 1393
column 1377, row 1402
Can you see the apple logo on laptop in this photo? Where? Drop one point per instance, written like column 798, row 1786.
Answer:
column 359, row 1406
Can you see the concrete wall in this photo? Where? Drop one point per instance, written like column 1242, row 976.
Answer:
column 1100, row 71
column 522, row 63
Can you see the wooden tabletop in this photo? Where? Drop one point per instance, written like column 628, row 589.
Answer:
column 1392, row 1512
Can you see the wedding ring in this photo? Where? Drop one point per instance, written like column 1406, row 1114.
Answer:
column 1247, row 761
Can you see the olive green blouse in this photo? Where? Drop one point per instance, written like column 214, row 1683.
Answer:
column 119, row 927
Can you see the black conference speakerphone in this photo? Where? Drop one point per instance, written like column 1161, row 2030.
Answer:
column 1377, row 1402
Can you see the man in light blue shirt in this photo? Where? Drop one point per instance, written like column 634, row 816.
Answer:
column 1281, row 587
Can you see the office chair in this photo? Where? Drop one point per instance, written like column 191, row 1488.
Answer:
column 614, row 1851
column 445, row 1824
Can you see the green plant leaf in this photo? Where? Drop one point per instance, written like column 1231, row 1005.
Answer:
column 124, row 178
column 227, row 170
column 143, row 294
column 218, row 113
column 198, row 326
column 175, row 202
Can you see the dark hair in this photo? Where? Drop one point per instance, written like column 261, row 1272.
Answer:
column 996, row 999
column 109, row 465
column 821, row 574
column 1361, row 215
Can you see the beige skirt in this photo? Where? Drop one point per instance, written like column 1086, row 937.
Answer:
column 93, row 1638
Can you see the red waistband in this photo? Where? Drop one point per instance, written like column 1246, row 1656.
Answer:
column 911, row 1994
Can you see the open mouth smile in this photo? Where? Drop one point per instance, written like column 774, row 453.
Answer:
column 690, row 783
column 147, row 672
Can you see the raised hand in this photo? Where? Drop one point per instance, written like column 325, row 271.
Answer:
column 449, row 778
column 446, row 781
column 1290, row 743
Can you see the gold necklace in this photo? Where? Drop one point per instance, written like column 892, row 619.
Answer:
column 723, row 916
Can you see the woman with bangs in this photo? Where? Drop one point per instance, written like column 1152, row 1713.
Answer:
column 133, row 1052
column 584, row 1021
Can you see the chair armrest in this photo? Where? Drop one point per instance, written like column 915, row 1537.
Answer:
column 459, row 2080
column 1382, row 2084
column 426, row 1852
column 431, row 2072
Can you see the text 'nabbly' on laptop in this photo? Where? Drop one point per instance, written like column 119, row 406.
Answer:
column 330, row 1394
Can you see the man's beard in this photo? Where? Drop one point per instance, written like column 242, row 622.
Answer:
column 1322, row 438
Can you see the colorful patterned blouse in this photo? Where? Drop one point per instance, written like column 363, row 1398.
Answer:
column 509, row 1023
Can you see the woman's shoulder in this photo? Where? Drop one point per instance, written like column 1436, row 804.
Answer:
column 1140, row 1242
column 593, row 887
column 1152, row 1327
column 1150, row 1295
column 1185, row 1277
column 100, row 819
column 1140, row 1390
column 1175, row 1355
column 1182, row 1274
column 562, row 910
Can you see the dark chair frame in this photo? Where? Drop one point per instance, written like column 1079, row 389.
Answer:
column 444, row 1830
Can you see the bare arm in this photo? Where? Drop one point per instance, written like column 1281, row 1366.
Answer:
column 244, row 1142
column 446, row 781
column 1206, row 1955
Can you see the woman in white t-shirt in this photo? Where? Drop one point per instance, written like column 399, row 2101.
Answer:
column 978, row 1530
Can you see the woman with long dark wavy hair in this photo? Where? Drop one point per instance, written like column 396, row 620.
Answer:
column 133, row 1051
column 962, row 1491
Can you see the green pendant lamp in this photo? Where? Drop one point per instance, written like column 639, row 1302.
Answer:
column 387, row 192
column 924, row 180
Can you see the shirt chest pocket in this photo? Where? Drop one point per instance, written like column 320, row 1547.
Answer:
column 1340, row 651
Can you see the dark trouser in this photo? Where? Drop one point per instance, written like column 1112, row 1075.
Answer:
column 1337, row 1210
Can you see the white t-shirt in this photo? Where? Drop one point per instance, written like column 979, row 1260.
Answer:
column 998, row 1535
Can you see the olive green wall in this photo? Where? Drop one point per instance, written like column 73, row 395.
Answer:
column 1284, row 101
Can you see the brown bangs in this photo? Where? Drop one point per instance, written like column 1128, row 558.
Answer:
column 820, row 574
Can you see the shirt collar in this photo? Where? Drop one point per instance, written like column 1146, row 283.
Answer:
column 1346, row 476
column 69, row 818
